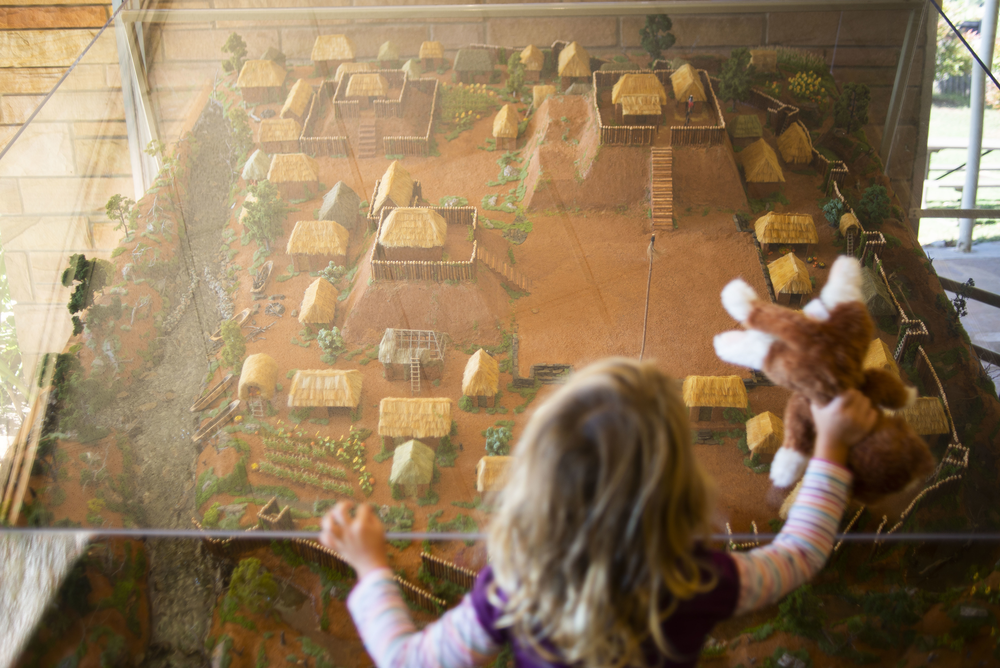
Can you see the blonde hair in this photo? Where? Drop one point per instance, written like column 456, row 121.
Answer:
column 592, row 542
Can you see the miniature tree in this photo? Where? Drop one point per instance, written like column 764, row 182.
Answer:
column 91, row 276
column 515, row 74
column 833, row 210
column 874, row 206
column 235, row 348
column 655, row 36
column 252, row 587
column 331, row 343
column 237, row 50
column 333, row 272
column 240, row 134
column 265, row 216
column 735, row 77
column 851, row 108
column 121, row 210
column 498, row 441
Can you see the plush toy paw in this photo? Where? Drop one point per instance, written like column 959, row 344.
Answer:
column 816, row 310
column 738, row 299
column 747, row 349
column 844, row 283
column 787, row 467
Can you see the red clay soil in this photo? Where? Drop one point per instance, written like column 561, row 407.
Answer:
column 706, row 177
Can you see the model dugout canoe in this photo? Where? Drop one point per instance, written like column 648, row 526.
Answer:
column 217, row 422
column 240, row 319
column 217, row 391
column 260, row 280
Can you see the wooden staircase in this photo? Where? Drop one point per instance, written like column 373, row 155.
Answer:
column 661, row 189
column 256, row 406
column 366, row 145
column 414, row 372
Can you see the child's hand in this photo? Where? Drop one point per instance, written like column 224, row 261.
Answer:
column 842, row 423
column 361, row 540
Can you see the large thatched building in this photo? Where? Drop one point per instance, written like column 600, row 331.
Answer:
column 879, row 356
column 795, row 230
column 342, row 205
column 280, row 135
column 259, row 377
column 404, row 351
column 533, row 60
column 706, row 396
column 432, row 54
column 540, row 93
column 761, row 168
column 261, row 81
column 928, row 418
column 765, row 433
column 256, row 167
column 295, row 175
column 481, row 380
column 365, row 87
column 412, row 468
column 330, row 51
column 505, row 128
column 412, row 234
column 329, row 388
column 686, row 83
column 396, row 188
column 314, row 244
column 319, row 303
column 790, row 279
column 491, row 473
column 473, row 63
column 876, row 295
column 297, row 103
column 574, row 65
column 425, row 418
column 346, row 69
column 795, row 145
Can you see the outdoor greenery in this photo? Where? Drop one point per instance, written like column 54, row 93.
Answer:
column 874, row 206
column 14, row 392
column 833, row 210
column 736, row 76
column 90, row 277
column 331, row 343
column 498, row 438
column 851, row 108
column 265, row 216
column 234, row 348
column 237, row 50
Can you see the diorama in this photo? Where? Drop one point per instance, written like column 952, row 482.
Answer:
column 388, row 264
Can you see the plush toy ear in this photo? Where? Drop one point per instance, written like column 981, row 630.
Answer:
column 748, row 348
column 843, row 284
column 738, row 299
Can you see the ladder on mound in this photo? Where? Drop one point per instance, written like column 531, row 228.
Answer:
column 661, row 190
column 256, row 406
column 850, row 243
column 414, row 371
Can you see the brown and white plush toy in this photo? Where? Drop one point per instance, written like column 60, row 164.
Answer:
column 818, row 353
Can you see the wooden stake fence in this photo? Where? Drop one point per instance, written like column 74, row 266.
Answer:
column 420, row 597
column 446, row 570
column 511, row 275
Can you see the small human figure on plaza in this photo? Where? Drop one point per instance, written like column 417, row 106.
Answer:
column 690, row 108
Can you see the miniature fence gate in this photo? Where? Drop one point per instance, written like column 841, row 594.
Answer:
column 446, row 570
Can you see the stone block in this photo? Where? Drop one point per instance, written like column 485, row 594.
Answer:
column 866, row 57
column 49, row 234
column 867, row 29
column 53, row 48
column 718, row 31
column 43, row 149
column 181, row 76
column 10, row 197
column 83, row 106
column 52, row 293
column 36, row 80
column 15, row 109
column 48, row 267
column 904, row 152
column 18, row 276
column 103, row 157
column 188, row 44
column 457, row 35
column 879, row 106
column 42, row 328
column 23, row 18
column 70, row 194
column 297, row 43
column 588, row 31
column 82, row 129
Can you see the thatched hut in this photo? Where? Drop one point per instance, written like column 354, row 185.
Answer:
column 396, row 353
column 796, row 230
column 342, row 205
column 640, row 110
column 432, row 54
column 412, row 234
column 367, row 86
column 395, row 189
column 638, row 84
column 412, row 468
column 761, row 169
column 850, row 227
column 314, row 244
column 765, row 433
column 388, row 55
column 297, row 103
column 472, row 63
column 295, row 175
column 574, row 65
column 481, row 380
column 259, row 377
column 706, row 396
column 745, row 129
column 764, row 60
column 790, row 278
column 346, row 69
column 330, row 51
column 879, row 356
column 539, row 93
column 687, row 83
column 876, row 295
column 411, row 68
column 256, row 167
column 928, row 418
column 795, row 145
column 280, row 135
column 329, row 388
column 491, row 473
column 319, row 303
column 425, row 418
column 505, row 128
column 261, row 81
column 533, row 60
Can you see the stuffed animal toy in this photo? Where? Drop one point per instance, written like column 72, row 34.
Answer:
column 817, row 353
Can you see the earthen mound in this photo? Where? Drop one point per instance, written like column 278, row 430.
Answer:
column 707, row 175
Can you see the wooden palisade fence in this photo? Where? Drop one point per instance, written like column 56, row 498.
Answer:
column 415, row 145
column 428, row 270
column 446, row 570
column 511, row 275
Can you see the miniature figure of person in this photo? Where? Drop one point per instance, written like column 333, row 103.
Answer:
column 607, row 567
column 690, row 108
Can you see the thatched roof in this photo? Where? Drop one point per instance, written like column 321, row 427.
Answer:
column 341, row 204
column 574, row 61
column 335, row 388
column 715, row 391
column 789, row 501
column 491, row 473
column 411, row 68
column 260, row 372
column 849, row 222
column 765, row 433
column 319, row 303
column 760, row 163
column 261, row 74
column 352, row 68
column 786, row 228
column 298, row 100
column 473, row 60
column 279, row 129
column 293, row 168
column 532, row 58
column 687, row 82
column 746, row 126
column 367, row 84
column 388, row 353
column 482, row 375
column 505, row 122
column 539, row 93
column 417, row 418
column 795, row 145
column 317, row 237
column 765, row 60
column 396, row 185
column 388, row 51
column 413, row 227
column 256, row 168
column 875, row 294
column 926, row 416
column 412, row 464
column 641, row 105
column 638, row 84
column 332, row 47
column 789, row 275
column 431, row 50
column 879, row 356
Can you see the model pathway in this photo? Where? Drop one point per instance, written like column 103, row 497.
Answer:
column 661, row 189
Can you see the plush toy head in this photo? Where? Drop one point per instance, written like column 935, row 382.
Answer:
column 818, row 353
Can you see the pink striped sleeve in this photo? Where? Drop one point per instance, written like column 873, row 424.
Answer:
column 457, row 640
column 800, row 550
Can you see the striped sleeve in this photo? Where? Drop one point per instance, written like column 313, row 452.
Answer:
column 800, row 550
column 457, row 640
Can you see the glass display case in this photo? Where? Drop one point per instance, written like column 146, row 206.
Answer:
column 317, row 253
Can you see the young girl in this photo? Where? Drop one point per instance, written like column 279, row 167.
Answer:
column 595, row 551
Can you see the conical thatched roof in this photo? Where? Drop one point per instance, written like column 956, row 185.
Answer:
column 879, row 356
column 786, row 228
column 795, row 145
column 279, row 129
column 687, row 82
column 473, row 60
column 431, row 50
column 412, row 464
column 926, row 416
column 413, row 227
column 574, row 61
column 298, row 100
column 411, row 68
column 482, row 375
column 641, row 105
column 335, row 388
column 491, row 473
column 319, row 303
column 765, row 433
column 539, row 93
column 416, row 418
column 260, row 372
column 342, row 205
column 715, row 391
column 293, row 168
column 396, row 186
column 849, row 222
column 317, row 237
column 505, row 122
column 876, row 294
column 350, row 68
column 256, row 168
column 532, row 58
column 367, row 84
column 261, row 74
column 332, row 47
column 388, row 51
column 760, row 163
column 746, row 126
column 789, row 275
column 644, row 83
